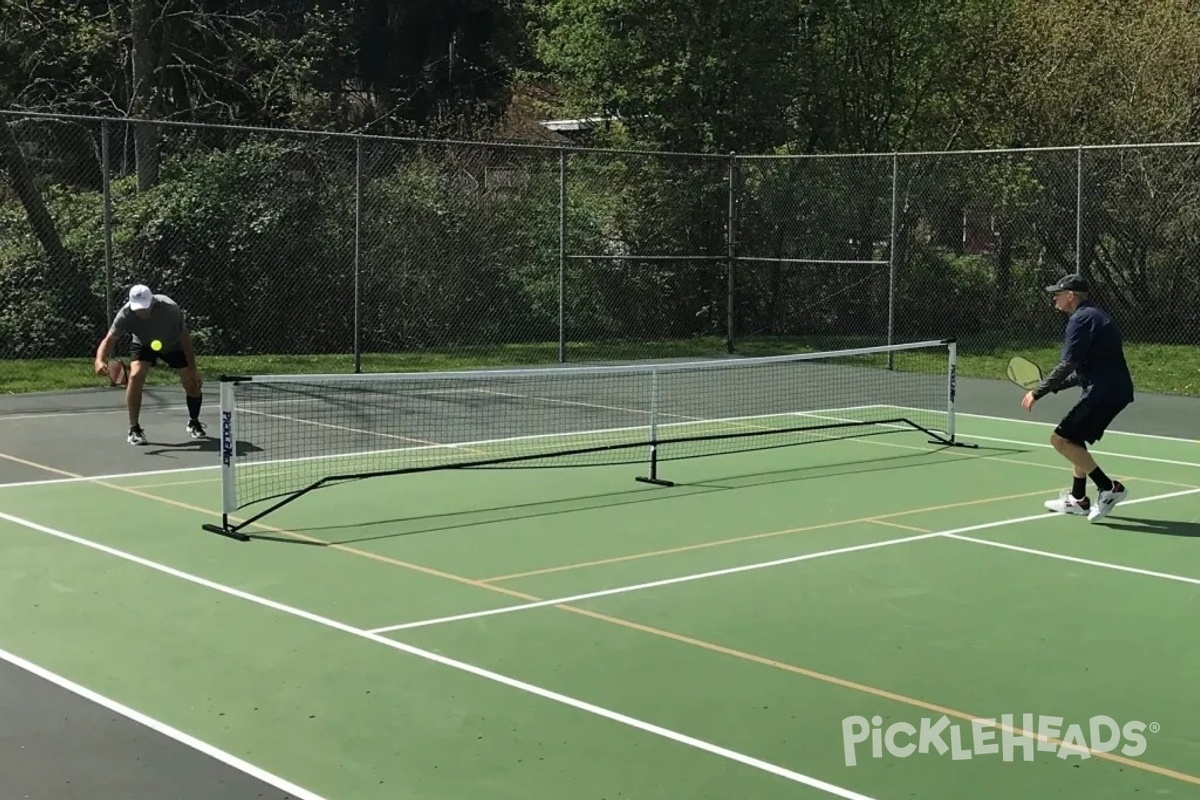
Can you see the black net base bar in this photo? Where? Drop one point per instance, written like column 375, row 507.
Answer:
column 283, row 436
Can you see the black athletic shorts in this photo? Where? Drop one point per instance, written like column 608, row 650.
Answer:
column 1086, row 422
column 175, row 359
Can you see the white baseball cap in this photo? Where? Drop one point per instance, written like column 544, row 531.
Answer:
column 140, row 297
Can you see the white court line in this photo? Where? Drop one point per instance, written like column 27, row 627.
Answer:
column 413, row 449
column 156, row 409
column 88, row 413
column 816, row 413
column 1107, row 453
column 1052, row 424
column 161, row 728
column 547, row 694
column 112, row 477
column 654, row 584
column 745, row 568
column 1041, row 424
column 1075, row 559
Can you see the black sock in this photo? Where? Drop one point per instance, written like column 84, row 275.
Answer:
column 1102, row 481
column 1079, row 488
column 194, row 405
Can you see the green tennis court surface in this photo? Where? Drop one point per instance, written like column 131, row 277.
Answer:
column 548, row 633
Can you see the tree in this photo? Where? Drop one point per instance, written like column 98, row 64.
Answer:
column 704, row 76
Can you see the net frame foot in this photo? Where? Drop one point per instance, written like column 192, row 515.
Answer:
column 655, row 481
column 227, row 530
column 955, row 443
column 950, row 441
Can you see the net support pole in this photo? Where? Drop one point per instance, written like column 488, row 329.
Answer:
column 228, row 466
column 952, row 398
column 652, row 476
column 951, row 388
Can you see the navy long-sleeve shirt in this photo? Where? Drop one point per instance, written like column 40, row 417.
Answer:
column 1092, row 358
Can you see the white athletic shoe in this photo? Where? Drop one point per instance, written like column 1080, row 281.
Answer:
column 1107, row 501
column 136, row 435
column 1066, row 503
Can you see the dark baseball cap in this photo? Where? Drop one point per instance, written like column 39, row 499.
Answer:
column 1069, row 283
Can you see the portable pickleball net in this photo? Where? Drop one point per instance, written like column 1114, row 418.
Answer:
column 310, row 431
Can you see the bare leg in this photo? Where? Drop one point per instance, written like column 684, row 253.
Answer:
column 190, row 378
column 133, row 390
column 1079, row 457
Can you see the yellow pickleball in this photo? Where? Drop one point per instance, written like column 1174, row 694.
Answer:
column 156, row 345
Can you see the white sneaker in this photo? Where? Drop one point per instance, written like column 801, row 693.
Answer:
column 1066, row 503
column 136, row 435
column 1106, row 501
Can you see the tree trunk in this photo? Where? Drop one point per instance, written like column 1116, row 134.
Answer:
column 145, row 136
column 24, row 184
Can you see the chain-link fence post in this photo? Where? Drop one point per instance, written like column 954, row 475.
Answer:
column 562, row 256
column 1079, row 210
column 891, row 323
column 731, row 265
column 358, row 198
column 106, row 182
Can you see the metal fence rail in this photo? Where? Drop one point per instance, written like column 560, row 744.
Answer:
column 283, row 243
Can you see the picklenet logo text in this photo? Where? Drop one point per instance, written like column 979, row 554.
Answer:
column 1008, row 738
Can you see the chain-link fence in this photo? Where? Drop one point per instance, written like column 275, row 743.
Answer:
column 335, row 252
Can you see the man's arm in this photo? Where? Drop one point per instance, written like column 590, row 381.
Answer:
column 106, row 344
column 185, row 336
column 1075, row 345
column 185, row 342
column 1061, row 377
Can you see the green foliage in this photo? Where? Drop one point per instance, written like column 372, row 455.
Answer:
column 706, row 76
column 460, row 246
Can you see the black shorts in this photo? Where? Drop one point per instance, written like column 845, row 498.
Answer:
column 1086, row 422
column 175, row 359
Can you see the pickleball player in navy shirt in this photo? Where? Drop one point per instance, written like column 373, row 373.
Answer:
column 1093, row 359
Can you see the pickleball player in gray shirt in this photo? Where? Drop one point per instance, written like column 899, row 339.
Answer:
column 149, row 317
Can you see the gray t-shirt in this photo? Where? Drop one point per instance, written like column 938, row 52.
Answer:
column 165, row 323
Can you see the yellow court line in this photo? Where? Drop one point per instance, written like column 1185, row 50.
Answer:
column 192, row 482
column 693, row 642
column 880, row 518
column 1063, row 467
column 738, row 539
column 272, row 529
column 883, row 694
column 900, row 525
column 754, row 536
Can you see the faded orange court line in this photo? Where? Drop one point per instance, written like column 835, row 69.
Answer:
column 658, row 632
column 883, row 519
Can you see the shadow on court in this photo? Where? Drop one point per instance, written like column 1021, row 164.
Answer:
column 459, row 520
column 210, row 444
column 1157, row 527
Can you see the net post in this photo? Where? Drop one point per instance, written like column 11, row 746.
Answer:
column 652, row 477
column 228, row 464
column 951, row 386
column 952, row 397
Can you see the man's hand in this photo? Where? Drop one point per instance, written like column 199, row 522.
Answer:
column 1027, row 401
column 101, row 367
